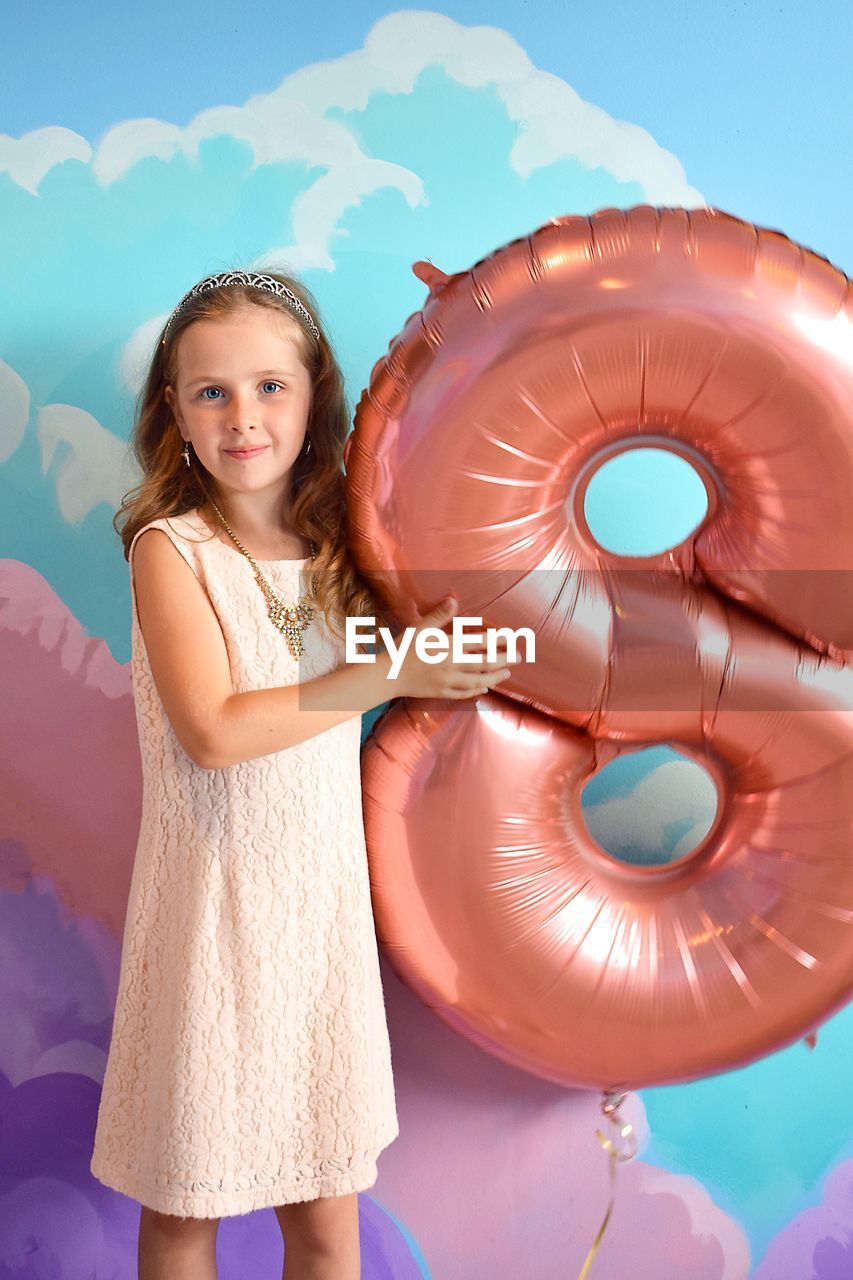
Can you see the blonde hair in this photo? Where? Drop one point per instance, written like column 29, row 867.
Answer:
column 318, row 500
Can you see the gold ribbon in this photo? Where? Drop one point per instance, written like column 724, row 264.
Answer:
column 610, row 1104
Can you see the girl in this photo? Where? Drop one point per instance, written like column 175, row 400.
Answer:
column 250, row 1063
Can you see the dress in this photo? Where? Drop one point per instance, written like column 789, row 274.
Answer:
column 250, row 1061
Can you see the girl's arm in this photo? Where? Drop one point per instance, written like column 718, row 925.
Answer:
column 218, row 727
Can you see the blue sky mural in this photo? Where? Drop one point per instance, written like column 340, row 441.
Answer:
column 144, row 147
column 754, row 97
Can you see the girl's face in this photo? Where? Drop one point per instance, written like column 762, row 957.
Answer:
column 241, row 385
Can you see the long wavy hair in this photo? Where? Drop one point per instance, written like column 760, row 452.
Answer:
column 318, row 501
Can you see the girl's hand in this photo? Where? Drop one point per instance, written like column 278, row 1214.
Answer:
column 448, row 679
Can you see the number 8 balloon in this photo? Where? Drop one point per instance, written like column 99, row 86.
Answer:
column 473, row 446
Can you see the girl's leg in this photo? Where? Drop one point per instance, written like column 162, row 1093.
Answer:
column 321, row 1240
column 172, row 1248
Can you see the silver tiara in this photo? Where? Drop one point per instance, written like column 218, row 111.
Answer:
column 255, row 281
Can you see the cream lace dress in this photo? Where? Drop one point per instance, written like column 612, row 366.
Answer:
column 250, row 1060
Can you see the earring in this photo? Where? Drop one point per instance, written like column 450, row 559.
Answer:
column 308, row 450
column 185, row 453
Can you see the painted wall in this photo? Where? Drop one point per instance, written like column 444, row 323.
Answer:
column 146, row 147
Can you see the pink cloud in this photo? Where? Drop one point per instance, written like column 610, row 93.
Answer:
column 499, row 1174
column 69, row 787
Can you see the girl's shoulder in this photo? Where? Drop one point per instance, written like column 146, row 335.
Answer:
column 186, row 531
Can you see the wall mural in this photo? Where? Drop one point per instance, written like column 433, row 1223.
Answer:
column 432, row 140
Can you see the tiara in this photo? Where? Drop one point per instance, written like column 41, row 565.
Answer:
column 251, row 278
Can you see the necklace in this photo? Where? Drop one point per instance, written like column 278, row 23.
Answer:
column 290, row 620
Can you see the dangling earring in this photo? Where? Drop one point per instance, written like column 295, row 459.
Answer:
column 308, row 450
column 185, row 453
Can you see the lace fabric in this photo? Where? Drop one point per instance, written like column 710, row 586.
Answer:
column 250, row 1061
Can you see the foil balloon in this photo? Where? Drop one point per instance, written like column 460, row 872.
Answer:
column 473, row 446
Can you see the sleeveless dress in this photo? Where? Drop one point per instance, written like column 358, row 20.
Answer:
column 250, row 1061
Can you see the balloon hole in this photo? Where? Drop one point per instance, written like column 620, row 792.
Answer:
column 644, row 501
column 650, row 808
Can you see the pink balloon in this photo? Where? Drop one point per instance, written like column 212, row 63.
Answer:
column 473, row 446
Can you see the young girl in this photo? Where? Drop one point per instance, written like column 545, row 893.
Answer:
column 250, row 1063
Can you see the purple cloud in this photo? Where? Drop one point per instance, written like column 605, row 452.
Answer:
column 818, row 1243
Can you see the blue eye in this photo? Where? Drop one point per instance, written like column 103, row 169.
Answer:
column 215, row 393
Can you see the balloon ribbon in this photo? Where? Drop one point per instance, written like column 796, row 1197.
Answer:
column 610, row 1104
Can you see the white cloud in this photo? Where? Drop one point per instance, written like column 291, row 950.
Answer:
column 554, row 121
column 95, row 466
column 137, row 351
column 276, row 127
column 14, row 410
column 673, row 792
column 280, row 129
column 290, row 124
column 28, row 158
column 316, row 212
column 126, row 144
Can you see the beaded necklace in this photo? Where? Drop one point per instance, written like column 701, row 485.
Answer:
column 290, row 620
